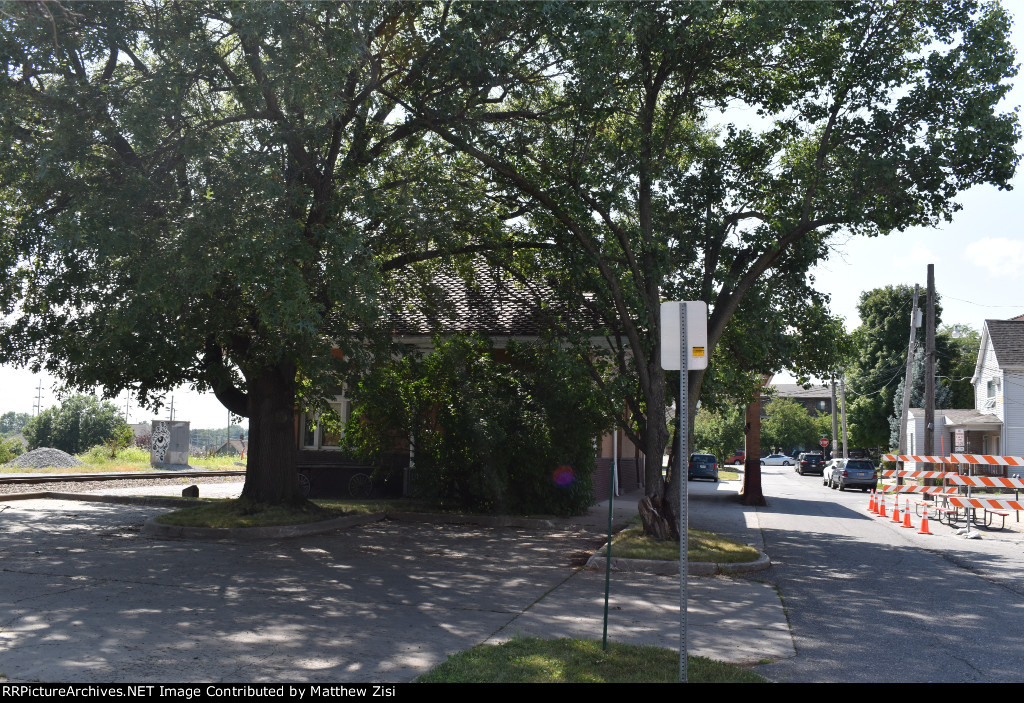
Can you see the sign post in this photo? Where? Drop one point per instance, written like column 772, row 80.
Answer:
column 684, row 343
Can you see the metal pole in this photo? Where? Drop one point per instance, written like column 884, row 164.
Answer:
column 681, row 478
column 615, row 460
column 908, row 382
column 835, row 420
column 608, row 560
column 929, row 371
column 842, row 396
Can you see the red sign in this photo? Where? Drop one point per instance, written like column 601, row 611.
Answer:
column 823, row 442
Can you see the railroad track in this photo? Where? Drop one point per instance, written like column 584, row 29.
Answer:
column 115, row 476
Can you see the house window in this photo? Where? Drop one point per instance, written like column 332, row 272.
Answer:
column 822, row 405
column 992, row 387
column 326, row 435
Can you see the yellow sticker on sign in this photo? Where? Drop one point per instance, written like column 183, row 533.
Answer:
column 698, row 351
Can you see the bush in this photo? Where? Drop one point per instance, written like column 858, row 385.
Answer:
column 99, row 455
column 9, row 449
column 491, row 437
column 74, row 426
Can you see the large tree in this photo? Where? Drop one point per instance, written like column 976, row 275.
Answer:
column 710, row 150
column 76, row 425
column 878, row 359
column 208, row 193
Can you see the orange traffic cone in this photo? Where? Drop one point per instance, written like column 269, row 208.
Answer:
column 871, row 503
column 924, row 524
column 896, row 510
column 882, row 512
column 906, row 514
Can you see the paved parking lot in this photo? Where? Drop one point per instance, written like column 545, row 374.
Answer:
column 86, row 597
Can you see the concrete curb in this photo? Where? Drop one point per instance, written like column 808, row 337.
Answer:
column 156, row 529
column 670, row 568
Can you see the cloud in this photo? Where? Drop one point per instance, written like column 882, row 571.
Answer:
column 920, row 255
column 1001, row 256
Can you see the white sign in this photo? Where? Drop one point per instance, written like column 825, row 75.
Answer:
column 696, row 334
column 958, row 440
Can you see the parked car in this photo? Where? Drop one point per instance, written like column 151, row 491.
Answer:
column 777, row 460
column 850, row 473
column 737, row 458
column 703, row 466
column 810, row 463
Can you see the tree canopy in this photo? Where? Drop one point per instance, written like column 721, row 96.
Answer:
column 878, row 360
column 209, row 193
column 76, row 425
column 12, row 422
column 710, row 150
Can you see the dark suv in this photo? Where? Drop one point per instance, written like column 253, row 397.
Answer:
column 703, row 466
column 808, row 463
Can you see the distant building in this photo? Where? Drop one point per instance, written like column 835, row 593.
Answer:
column 816, row 399
column 234, row 447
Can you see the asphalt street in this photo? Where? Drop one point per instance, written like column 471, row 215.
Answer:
column 871, row 601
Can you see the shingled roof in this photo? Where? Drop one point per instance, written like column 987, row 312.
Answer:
column 964, row 417
column 795, row 390
column 1008, row 341
column 492, row 303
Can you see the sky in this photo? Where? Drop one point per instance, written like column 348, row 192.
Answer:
column 978, row 258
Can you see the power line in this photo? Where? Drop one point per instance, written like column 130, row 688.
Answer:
column 981, row 305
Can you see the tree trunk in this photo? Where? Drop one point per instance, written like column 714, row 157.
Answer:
column 655, row 432
column 751, row 494
column 270, row 471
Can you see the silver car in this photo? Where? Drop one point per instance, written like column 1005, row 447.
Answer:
column 777, row 460
column 850, row 473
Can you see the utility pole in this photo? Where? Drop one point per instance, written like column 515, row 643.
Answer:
column 842, row 395
column 835, row 420
column 908, row 380
column 38, row 407
column 929, row 368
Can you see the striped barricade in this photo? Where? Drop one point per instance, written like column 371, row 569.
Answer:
column 986, row 460
column 892, row 473
column 986, row 481
column 985, row 503
column 973, row 459
column 918, row 459
column 923, row 490
column 990, row 506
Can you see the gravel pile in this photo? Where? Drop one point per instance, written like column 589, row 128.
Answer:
column 42, row 458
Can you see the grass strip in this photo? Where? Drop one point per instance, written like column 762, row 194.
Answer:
column 703, row 546
column 245, row 513
column 531, row 660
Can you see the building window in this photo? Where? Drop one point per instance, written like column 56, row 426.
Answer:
column 992, row 387
column 326, row 434
column 822, row 405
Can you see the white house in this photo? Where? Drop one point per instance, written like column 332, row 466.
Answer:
column 995, row 425
column 999, row 384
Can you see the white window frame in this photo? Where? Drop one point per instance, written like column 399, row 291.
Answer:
column 343, row 406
